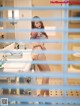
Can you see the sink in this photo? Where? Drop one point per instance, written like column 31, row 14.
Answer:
column 16, row 62
column 14, row 55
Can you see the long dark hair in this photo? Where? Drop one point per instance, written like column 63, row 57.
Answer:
column 42, row 25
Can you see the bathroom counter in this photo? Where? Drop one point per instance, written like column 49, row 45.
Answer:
column 19, row 64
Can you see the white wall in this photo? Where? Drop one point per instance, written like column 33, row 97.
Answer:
column 23, row 14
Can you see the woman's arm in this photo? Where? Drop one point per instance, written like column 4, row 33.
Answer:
column 36, row 35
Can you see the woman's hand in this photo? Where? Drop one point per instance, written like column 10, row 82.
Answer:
column 36, row 44
column 33, row 34
column 34, row 56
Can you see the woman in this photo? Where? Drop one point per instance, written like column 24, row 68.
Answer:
column 40, row 46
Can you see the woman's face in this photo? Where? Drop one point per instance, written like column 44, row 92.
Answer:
column 37, row 24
